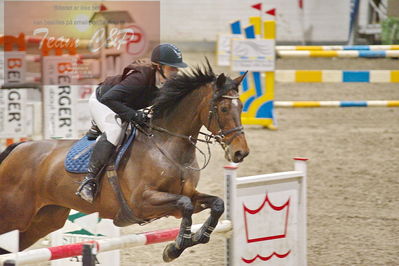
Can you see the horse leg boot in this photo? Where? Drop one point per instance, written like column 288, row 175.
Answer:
column 183, row 240
column 159, row 204
column 216, row 205
column 102, row 151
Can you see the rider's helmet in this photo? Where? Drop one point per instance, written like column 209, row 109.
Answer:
column 168, row 54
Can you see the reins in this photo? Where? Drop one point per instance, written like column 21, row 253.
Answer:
column 208, row 138
column 190, row 139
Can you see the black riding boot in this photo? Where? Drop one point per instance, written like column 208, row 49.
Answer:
column 102, row 152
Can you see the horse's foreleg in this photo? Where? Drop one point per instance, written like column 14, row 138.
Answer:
column 216, row 204
column 170, row 204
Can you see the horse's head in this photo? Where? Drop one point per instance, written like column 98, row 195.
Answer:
column 223, row 117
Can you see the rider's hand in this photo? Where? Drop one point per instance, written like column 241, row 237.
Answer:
column 139, row 117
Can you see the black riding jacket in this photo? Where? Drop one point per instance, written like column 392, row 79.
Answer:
column 134, row 92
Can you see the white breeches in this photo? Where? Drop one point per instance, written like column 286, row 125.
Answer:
column 105, row 119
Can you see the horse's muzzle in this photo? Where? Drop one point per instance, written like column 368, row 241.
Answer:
column 236, row 156
column 239, row 156
column 236, row 149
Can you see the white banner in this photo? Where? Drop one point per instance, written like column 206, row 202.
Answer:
column 1, row 68
column 269, row 216
column 83, row 116
column 60, row 111
column 224, row 48
column 59, row 70
column 14, row 67
column 12, row 113
column 252, row 55
column 60, row 96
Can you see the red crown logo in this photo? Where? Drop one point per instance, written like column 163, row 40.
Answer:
column 276, row 211
column 276, row 216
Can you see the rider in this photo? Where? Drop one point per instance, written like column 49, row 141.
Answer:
column 133, row 91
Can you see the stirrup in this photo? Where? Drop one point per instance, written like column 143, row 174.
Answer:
column 86, row 181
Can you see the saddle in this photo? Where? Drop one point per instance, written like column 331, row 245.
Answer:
column 77, row 159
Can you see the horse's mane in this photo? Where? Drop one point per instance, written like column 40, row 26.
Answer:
column 174, row 90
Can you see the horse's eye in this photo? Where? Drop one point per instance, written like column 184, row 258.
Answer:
column 224, row 109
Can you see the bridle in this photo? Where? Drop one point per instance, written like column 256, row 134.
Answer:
column 220, row 137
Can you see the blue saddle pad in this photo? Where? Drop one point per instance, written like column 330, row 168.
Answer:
column 77, row 159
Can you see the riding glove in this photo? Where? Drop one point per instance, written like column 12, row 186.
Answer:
column 139, row 117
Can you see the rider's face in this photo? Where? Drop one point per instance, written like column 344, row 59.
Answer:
column 170, row 71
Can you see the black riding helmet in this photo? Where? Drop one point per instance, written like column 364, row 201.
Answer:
column 168, row 54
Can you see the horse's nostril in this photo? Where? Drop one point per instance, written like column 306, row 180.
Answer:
column 240, row 155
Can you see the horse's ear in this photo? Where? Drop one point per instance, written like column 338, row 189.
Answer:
column 239, row 79
column 220, row 81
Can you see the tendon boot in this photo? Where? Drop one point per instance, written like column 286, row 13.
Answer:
column 102, row 152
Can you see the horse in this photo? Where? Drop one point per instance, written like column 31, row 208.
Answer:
column 158, row 174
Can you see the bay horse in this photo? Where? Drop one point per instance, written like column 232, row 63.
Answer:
column 156, row 177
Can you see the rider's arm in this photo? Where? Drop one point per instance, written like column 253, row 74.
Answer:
column 128, row 90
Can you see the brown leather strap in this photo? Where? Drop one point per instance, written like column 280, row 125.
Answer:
column 125, row 215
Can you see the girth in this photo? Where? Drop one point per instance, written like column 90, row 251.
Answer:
column 125, row 215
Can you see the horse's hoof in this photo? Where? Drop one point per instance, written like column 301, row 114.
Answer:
column 171, row 252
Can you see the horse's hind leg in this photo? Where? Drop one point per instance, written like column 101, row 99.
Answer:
column 47, row 220
column 216, row 204
column 164, row 204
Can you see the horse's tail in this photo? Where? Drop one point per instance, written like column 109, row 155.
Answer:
column 8, row 150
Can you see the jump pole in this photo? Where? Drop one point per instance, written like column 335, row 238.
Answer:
column 103, row 245
column 311, row 104
column 338, row 48
column 338, row 76
column 340, row 54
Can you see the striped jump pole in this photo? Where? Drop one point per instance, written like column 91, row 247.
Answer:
column 340, row 54
column 103, row 245
column 338, row 48
column 310, row 104
column 368, row 76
